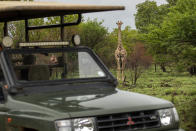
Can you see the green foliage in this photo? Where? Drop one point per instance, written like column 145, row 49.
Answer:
column 148, row 13
column 172, row 2
column 129, row 38
column 45, row 34
column 1, row 31
column 106, row 49
column 148, row 20
column 17, row 29
column 96, row 36
column 176, row 87
column 92, row 33
column 173, row 39
column 179, row 29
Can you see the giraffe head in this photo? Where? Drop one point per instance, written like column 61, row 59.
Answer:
column 119, row 23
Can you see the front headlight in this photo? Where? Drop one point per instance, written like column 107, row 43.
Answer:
column 165, row 117
column 168, row 116
column 81, row 124
column 63, row 125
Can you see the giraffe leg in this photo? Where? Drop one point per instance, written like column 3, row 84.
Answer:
column 118, row 64
column 122, row 75
column 123, row 68
column 118, row 71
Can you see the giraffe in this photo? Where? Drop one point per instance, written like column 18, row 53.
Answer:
column 120, row 55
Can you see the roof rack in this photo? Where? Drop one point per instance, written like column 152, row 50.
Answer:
column 13, row 11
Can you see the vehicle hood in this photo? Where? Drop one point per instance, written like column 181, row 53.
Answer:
column 90, row 101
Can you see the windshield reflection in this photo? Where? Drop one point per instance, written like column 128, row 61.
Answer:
column 55, row 66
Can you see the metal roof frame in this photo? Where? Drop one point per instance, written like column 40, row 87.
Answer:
column 14, row 11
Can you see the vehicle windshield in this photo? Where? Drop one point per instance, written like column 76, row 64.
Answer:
column 34, row 66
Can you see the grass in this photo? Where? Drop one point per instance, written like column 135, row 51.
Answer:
column 180, row 88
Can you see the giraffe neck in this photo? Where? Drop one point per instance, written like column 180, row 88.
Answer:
column 119, row 37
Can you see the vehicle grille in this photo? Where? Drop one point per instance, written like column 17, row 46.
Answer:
column 118, row 122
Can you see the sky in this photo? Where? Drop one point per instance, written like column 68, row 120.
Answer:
column 110, row 18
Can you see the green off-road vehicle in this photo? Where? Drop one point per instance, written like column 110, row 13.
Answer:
column 62, row 86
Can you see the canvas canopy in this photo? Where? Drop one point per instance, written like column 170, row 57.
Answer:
column 10, row 11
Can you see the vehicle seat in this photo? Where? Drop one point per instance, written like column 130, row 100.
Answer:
column 28, row 60
column 39, row 72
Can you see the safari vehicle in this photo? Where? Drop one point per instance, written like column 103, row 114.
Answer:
column 62, row 86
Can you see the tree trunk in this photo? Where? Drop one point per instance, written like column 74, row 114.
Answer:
column 155, row 67
column 192, row 70
column 163, row 67
column 135, row 76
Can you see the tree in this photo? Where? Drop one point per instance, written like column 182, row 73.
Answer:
column 138, row 61
column 180, row 29
column 147, row 13
column 175, row 37
column 157, row 48
column 105, row 50
column 172, row 2
column 92, row 33
column 150, row 16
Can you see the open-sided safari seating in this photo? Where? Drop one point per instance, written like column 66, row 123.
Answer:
column 62, row 86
